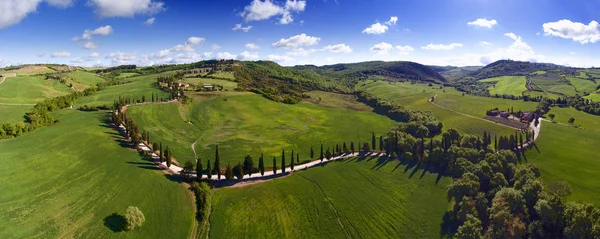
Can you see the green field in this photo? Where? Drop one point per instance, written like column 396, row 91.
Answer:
column 594, row 97
column 135, row 89
column 583, row 86
column 246, row 123
column 86, row 78
column 414, row 96
column 30, row 89
column 13, row 113
column 538, row 73
column 127, row 74
column 569, row 154
column 227, row 85
column 585, row 120
column 224, row 75
column 507, row 85
column 367, row 198
column 62, row 181
column 553, row 83
column 30, row 70
column 543, row 94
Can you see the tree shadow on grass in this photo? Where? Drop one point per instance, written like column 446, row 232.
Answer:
column 141, row 163
column 449, row 225
column 150, row 167
column 115, row 222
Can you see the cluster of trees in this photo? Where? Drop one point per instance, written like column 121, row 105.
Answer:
column 93, row 108
column 419, row 124
column 39, row 116
column 170, row 85
column 116, row 68
column 580, row 104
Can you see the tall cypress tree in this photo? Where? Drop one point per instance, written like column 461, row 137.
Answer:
column 160, row 157
column 351, row 147
column 381, row 143
column 198, row 169
column 217, row 162
column 496, row 142
column 282, row 161
column 208, row 170
column 274, row 165
column 261, row 165
column 292, row 159
column 345, row 148
column 312, row 153
column 168, row 156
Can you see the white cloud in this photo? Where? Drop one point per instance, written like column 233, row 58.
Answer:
column 161, row 54
column 225, row 56
column 382, row 48
column 207, row 54
column 404, row 50
column 511, row 35
column 262, row 10
column 482, row 22
column 252, row 46
column 339, row 48
column 441, row 46
column 376, row 29
column 392, row 21
column 576, row 31
column 90, row 45
column 244, row 56
column 95, row 55
column 297, row 41
column 150, row 21
column 126, row 8
column 121, row 58
column 60, row 54
column 280, row 59
column 571, row 53
column 90, row 58
column 240, row 27
column 100, row 31
column 13, row 11
column 485, row 43
column 194, row 40
column 215, row 47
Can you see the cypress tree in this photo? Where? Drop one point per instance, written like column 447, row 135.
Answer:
column 198, row 169
column 274, row 165
column 218, row 162
column 292, row 163
column 345, row 148
column 373, row 145
column 312, row 153
column 261, row 165
column 381, row 143
column 521, row 141
column 282, row 161
column 160, row 157
column 496, row 142
column 321, row 156
column 228, row 172
column 208, row 171
column 168, row 156
column 337, row 149
column 351, row 147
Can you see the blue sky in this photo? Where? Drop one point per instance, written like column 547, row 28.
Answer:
column 291, row 32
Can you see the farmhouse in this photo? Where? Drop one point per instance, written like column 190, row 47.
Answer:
column 493, row 112
column 527, row 116
column 504, row 115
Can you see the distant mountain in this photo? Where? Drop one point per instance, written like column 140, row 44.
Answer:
column 517, row 68
column 395, row 70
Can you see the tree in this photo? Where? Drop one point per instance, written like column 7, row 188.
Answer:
column 328, row 154
column 292, row 163
column 345, row 148
column 134, row 218
column 218, row 163
column 352, row 147
column 551, row 116
column 187, row 170
column 467, row 185
column 282, row 161
column 248, row 165
column 366, row 148
column 571, row 120
column 312, row 153
column 208, row 171
column 373, row 145
column 274, row 165
column 321, row 156
column 168, row 156
column 261, row 164
column 229, row 172
column 198, row 169
column 160, row 157
column 238, row 171
column 380, row 143
column 470, row 229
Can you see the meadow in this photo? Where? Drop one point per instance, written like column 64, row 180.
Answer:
column 415, row 96
column 13, row 113
column 543, row 94
column 30, row 70
column 247, row 123
column 569, row 154
column 553, row 83
column 353, row 198
column 227, row 85
column 507, row 85
column 59, row 182
column 224, row 75
column 585, row 120
column 583, row 85
column 30, row 89
column 86, row 78
column 135, row 89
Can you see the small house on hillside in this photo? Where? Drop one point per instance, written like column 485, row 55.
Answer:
column 493, row 112
column 527, row 116
column 504, row 115
column 207, row 87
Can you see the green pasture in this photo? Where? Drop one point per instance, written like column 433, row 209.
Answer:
column 86, row 78
column 135, row 90
column 585, row 120
column 227, row 85
column 224, row 75
column 30, row 89
column 507, row 85
column 64, row 180
column 13, row 113
column 353, row 198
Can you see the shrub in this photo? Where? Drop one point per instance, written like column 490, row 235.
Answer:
column 134, row 218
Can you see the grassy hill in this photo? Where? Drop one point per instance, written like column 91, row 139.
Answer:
column 355, row 198
column 30, row 89
column 63, row 181
column 516, row 68
column 507, row 85
column 246, row 123
column 145, row 86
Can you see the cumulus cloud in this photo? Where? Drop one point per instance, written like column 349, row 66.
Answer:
column 575, row 31
column 385, row 48
column 60, row 54
column 240, row 27
column 225, row 56
column 13, row 11
column 338, row 48
column 376, row 29
column 280, row 59
column 150, row 21
column 121, row 58
column 261, row 10
column 296, row 41
column 89, row 34
column 90, row 45
column 194, row 40
column 450, row 46
column 482, row 22
column 485, row 43
column 404, row 50
column 126, row 8
column 252, row 46
column 215, row 47
column 246, row 55
column 90, row 58
column 511, row 35
column 392, row 21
